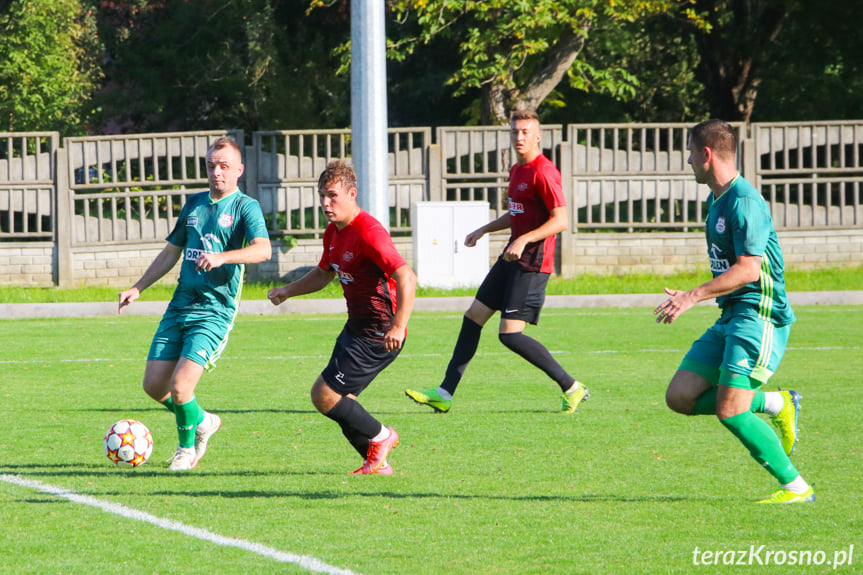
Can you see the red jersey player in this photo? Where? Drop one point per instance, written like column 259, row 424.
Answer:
column 379, row 289
column 515, row 285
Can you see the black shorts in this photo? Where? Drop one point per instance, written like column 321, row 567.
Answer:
column 355, row 362
column 516, row 293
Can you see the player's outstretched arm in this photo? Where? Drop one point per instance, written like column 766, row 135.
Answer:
column 744, row 271
column 502, row 223
column 259, row 250
column 163, row 263
column 315, row 280
column 558, row 221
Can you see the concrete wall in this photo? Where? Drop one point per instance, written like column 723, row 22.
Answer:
column 34, row 263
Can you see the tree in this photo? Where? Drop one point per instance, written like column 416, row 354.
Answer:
column 734, row 49
column 825, row 79
column 207, row 64
column 517, row 52
column 48, row 65
column 662, row 63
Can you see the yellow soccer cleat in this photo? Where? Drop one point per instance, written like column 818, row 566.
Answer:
column 571, row 400
column 785, row 496
column 430, row 398
column 786, row 420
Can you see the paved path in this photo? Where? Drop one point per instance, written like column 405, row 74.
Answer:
column 264, row 307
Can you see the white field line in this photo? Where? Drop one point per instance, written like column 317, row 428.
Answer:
column 306, row 562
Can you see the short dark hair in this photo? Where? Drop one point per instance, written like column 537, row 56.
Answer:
column 226, row 142
column 715, row 134
column 340, row 172
column 524, row 115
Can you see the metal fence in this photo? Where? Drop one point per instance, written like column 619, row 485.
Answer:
column 288, row 165
column 811, row 173
column 28, row 208
column 617, row 177
column 125, row 189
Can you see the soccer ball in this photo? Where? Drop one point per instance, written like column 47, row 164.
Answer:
column 128, row 443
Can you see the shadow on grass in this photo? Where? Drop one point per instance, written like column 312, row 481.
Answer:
column 120, row 411
column 36, row 470
column 72, row 470
column 585, row 498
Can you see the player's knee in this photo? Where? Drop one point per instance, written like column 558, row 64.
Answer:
column 510, row 340
column 678, row 402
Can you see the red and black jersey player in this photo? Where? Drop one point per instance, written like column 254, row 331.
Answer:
column 516, row 283
column 379, row 289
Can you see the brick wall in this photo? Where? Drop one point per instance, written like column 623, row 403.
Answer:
column 27, row 263
column 34, row 263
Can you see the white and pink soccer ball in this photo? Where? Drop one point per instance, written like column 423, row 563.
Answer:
column 128, row 443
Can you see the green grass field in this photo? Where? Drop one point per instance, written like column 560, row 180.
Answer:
column 503, row 484
column 818, row 279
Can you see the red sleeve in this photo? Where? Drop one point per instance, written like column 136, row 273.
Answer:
column 549, row 187
column 380, row 249
column 324, row 264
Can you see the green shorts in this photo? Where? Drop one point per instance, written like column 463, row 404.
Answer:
column 737, row 346
column 200, row 337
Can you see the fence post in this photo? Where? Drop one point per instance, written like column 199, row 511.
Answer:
column 63, row 226
column 567, row 236
column 434, row 184
column 250, row 172
column 750, row 162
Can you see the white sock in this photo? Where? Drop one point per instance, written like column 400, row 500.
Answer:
column 773, row 402
column 382, row 434
column 575, row 385
column 206, row 422
column 799, row 485
column 444, row 394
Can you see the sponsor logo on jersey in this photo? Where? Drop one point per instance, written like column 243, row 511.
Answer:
column 193, row 254
column 226, row 220
column 344, row 277
column 720, row 225
column 191, row 221
column 718, row 264
column 515, row 207
column 211, row 242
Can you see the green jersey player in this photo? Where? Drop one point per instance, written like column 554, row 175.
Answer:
column 724, row 369
column 216, row 234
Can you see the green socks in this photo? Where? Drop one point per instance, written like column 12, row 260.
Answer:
column 188, row 416
column 763, row 445
column 706, row 403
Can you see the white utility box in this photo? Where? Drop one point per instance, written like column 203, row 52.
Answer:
column 440, row 256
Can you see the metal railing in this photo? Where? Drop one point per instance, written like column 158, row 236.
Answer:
column 617, row 177
column 811, row 172
column 126, row 189
column 28, row 208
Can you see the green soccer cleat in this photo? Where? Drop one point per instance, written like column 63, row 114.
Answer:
column 785, row 496
column 786, row 420
column 571, row 400
column 430, row 398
